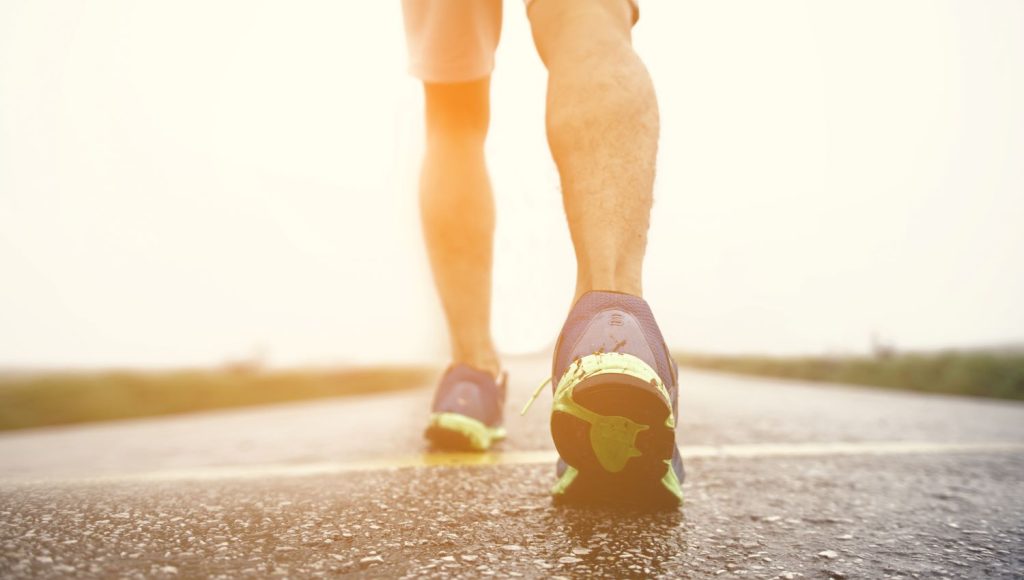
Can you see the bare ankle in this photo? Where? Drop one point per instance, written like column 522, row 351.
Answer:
column 608, row 284
column 484, row 361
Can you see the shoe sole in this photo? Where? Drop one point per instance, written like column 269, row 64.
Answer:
column 612, row 423
column 456, row 432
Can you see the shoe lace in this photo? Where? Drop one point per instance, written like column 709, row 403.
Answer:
column 536, row 393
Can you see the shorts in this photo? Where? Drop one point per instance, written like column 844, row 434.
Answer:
column 453, row 41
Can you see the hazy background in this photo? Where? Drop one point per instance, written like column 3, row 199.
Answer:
column 186, row 182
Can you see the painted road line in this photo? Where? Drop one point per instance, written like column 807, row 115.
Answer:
column 436, row 460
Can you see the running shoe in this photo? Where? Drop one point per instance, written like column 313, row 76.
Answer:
column 616, row 402
column 467, row 411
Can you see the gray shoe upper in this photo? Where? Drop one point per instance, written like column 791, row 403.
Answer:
column 613, row 322
column 470, row 392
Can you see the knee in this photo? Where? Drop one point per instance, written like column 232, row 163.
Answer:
column 577, row 32
column 457, row 113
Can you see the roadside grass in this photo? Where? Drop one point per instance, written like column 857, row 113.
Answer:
column 60, row 398
column 995, row 374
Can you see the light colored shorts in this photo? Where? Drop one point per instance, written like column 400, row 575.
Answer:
column 453, row 41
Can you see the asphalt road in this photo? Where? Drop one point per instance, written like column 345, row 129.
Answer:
column 784, row 480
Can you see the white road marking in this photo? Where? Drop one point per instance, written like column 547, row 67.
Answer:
column 433, row 460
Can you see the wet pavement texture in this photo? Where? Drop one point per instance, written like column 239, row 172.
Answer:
column 850, row 517
column 944, row 514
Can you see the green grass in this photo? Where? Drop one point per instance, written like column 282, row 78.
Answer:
column 994, row 374
column 59, row 398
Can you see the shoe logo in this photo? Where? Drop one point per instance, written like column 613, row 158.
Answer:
column 616, row 319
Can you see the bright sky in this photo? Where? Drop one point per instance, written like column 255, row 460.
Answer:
column 182, row 182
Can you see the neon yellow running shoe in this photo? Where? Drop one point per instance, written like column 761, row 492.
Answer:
column 467, row 411
column 615, row 408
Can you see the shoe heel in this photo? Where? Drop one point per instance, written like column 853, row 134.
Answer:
column 612, row 418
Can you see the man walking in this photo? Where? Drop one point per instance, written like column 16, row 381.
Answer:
column 615, row 384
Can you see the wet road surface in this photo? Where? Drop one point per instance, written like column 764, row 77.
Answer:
column 784, row 480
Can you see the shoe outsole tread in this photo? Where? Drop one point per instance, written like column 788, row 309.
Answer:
column 457, row 432
column 630, row 463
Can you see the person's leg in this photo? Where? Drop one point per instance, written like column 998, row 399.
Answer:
column 451, row 49
column 458, row 215
column 615, row 387
column 602, row 126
